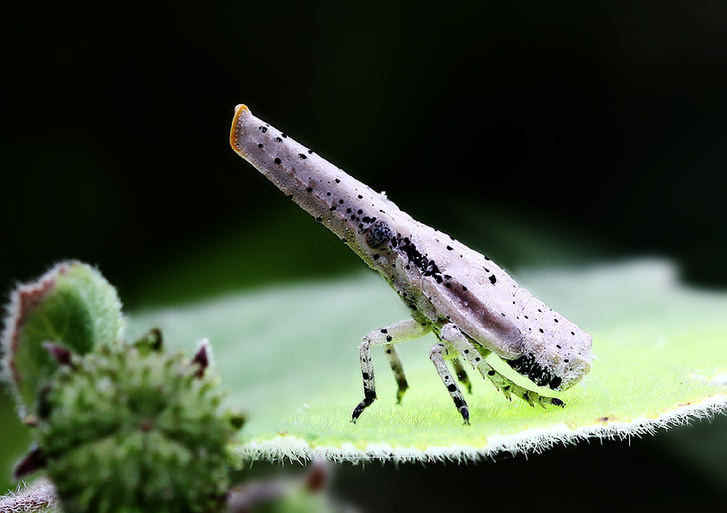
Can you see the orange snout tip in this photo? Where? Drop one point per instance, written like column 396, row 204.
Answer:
column 235, row 130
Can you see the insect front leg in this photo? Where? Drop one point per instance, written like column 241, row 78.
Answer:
column 476, row 357
column 461, row 374
column 388, row 336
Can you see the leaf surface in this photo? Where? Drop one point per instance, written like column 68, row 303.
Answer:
column 289, row 355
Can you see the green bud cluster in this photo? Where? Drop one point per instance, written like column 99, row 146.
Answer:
column 125, row 429
column 119, row 428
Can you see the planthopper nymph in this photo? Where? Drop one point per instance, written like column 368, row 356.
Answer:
column 472, row 306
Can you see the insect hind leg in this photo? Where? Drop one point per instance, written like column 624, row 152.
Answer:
column 476, row 357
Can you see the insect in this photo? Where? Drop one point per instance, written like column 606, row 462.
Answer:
column 472, row 306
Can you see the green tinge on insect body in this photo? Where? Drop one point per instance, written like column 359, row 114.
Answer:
column 471, row 304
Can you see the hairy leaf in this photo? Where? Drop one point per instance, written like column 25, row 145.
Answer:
column 71, row 305
column 290, row 357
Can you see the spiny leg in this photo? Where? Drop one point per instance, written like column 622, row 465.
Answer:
column 461, row 374
column 476, row 357
column 398, row 371
column 390, row 335
column 437, row 355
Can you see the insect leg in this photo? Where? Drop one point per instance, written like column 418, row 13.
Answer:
column 461, row 374
column 398, row 371
column 388, row 336
column 476, row 357
column 437, row 354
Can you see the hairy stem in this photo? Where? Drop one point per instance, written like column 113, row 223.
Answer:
column 40, row 496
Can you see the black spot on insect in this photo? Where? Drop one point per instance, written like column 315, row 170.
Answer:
column 260, row 145
column 344, row 240
column 340, row 201
column 360, row 211
column 302, row 155
column 541, row 330
column 278, row 139
column 309, row 189
column 384, row 330
column 557, row 402
column 477, row 358
column 388, row 338
column 262, row 129
column 493, row 279
column 332, row 208
column 277, row 160
column 365, row 375
column 448, row 285
column 319, row 219
column 556, row 320
column 348, row 210
column 378, row 234
column 457, row 401
column 376, row 256
column 337, row 180
column 284, row 134
column 452, row 387
column 449, row 248
column 466, row 351
column 310, row 152
column 572, row 333
column 491, row 373
column 360, row 197
column 464, row 288
column 527, row 366
column 328, row 194
column 290, row 196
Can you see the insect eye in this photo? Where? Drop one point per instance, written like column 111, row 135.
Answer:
column 378, row 234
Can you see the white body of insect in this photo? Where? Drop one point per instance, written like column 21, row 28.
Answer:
column 471, row 304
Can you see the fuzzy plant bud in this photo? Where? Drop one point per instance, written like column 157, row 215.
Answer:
column 71, row 308
column 127, row 429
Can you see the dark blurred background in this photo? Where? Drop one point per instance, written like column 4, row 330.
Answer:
column 542, row 132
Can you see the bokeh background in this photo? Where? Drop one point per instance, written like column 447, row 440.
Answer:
column 544, row 133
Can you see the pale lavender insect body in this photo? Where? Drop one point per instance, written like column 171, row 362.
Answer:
column 471, row 304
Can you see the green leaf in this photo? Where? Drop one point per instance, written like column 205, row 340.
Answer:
column 290, row 357
column 72, row 304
